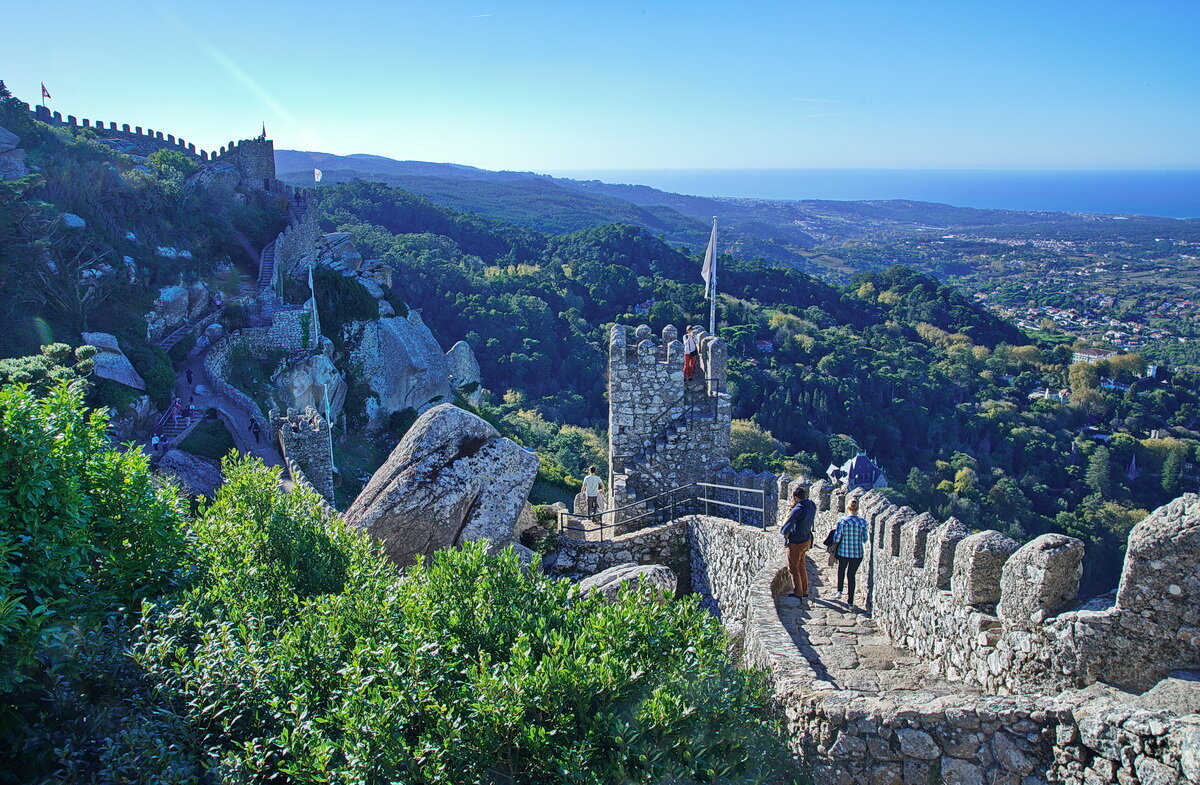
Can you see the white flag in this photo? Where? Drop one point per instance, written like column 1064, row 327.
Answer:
column 316, row 175
column 709, row 271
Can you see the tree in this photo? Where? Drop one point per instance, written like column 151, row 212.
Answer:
column 1099, row 472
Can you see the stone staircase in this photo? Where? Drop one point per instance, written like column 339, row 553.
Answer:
column 266, row 266
column 665, row 447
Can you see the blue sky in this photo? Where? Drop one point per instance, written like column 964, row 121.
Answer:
column 569, row 85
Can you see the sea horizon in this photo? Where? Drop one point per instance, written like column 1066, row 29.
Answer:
column 1167, row 193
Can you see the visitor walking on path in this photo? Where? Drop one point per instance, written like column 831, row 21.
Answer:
column 154, row 440
column 256, row 430
column 850, row 536
column 798, row 533
column 592, row 486
column 691, row 352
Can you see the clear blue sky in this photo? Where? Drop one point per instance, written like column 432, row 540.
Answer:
column 573, row 85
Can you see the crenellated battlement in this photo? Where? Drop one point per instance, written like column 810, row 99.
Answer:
column 143, row 142
column 304, row 440
column 1008, row 618
column 664, row 432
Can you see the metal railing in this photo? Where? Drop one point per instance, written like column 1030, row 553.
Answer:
column 741, row 508
column 683, row 500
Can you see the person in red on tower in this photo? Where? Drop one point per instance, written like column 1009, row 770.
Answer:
column 691, row 352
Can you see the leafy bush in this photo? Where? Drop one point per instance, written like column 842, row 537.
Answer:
column 209, row 439
column 84, row 531
column 341, row 300
column 154, row 366
column 302, row 654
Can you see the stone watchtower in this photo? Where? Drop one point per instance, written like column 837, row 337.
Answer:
column 663, row 432
column 304, row 439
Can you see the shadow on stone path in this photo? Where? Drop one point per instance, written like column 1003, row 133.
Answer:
column 845, row 648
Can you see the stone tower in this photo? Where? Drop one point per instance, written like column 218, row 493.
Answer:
column 663, row 432
column 304, row 438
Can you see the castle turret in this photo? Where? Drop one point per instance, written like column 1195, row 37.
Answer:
column 663, row 432
column 305, row 440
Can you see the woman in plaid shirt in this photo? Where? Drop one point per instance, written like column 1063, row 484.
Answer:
column 850, row 536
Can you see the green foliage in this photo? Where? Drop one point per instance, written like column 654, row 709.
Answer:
column 56, row 364
column 153, row 365
column 209, row 439
column 341, row 300
column 84, row 531
column 250, row 371
column 301, row 653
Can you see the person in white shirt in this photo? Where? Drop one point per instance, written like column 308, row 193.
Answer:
column 691, row 353
column 592, row 486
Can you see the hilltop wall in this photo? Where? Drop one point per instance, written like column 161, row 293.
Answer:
column 1004, row 617
column 846, row 737
column 304, row 441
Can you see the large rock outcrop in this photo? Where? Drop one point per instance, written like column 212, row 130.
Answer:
column 451, row 479
column 12, row 157
column 169, row 312
column 609, row 582
column 463, row 371
column 197, row 476
column 111, row 363
column 401, row 362
column 306, row 382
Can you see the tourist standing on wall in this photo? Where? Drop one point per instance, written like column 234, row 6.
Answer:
column 592, row 486
column 691, row 353
column 850, row 536
column 798, row 532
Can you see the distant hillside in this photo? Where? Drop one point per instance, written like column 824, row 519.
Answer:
column 810, row 235
column 553, row 204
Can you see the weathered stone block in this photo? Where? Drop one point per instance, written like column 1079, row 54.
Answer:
column 1040, row 580
column 978, row 562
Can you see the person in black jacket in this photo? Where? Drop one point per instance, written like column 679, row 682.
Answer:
column 798, row 533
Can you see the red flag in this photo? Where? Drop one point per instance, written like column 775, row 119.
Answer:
column 45, row 92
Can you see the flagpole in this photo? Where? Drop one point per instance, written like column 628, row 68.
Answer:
column 712, row 285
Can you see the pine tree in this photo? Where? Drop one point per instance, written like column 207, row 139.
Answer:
column 1099, row 472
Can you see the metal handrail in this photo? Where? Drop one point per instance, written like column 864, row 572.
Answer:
column 564, row 515
column 601, row 513
column 761, row 509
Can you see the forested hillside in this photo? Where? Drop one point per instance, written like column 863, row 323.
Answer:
column 933, row 386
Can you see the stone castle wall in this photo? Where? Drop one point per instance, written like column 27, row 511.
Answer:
column 216, row 364
column 1006, row 618
column 1096, row 734
column 141, row 142
column 664, row 433
column 304, row 440
column 297, row 246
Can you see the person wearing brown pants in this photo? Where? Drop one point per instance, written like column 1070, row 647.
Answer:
column 797, row 531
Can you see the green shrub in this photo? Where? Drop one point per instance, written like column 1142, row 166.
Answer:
column 303, row 655
column 84, row 531
column 341, row 300
column 209, row 439
column 153, row 365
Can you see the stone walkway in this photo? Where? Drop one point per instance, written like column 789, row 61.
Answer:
column 236, row 419
column 845, row 648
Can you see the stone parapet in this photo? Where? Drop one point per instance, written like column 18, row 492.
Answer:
column 304, row 440
column 1008, row 619
column 844, row 736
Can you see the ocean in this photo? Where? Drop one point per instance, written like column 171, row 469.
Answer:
column 1167, row 193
